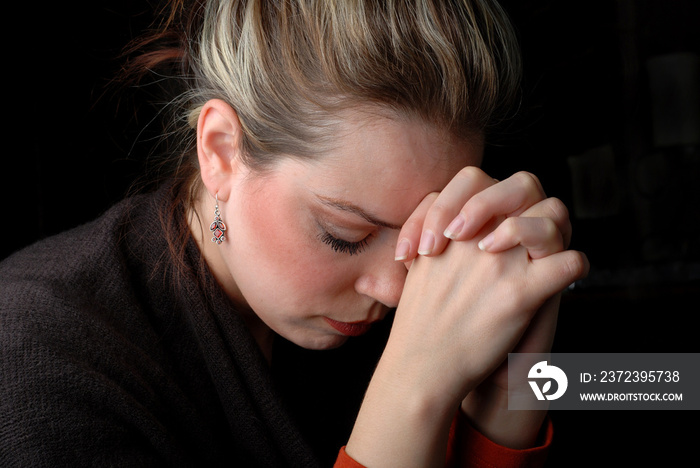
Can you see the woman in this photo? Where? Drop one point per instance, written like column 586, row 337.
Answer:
column 327, row 195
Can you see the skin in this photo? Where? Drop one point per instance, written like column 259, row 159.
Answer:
column 491, row 263
column 277, row 222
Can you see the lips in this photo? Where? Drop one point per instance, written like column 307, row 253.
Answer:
column 349, row 329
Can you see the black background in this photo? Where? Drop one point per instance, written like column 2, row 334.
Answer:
column 73, row 148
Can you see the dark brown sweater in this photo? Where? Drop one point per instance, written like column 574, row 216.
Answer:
column 111, row 357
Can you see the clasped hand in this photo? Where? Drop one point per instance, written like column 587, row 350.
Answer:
column 487, row 261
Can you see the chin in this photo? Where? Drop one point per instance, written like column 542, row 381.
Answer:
column 319, row 342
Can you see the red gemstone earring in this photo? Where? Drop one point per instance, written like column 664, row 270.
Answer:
column 217, row 227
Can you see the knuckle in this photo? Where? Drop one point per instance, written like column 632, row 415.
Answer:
column 419, row 213
column 509, row 228
column 558, row 209
column 559, row 214
column 477, row 206
column 553, row 237
column 438, row 211
column 470, row 173
column 529, row 181
column 430, row 198
column 550, row 229
column 411, row 225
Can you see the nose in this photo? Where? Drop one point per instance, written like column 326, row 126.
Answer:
column 383, row 280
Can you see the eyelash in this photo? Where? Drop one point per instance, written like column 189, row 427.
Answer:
column 343, row 246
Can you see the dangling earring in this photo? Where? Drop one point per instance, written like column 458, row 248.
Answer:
column 217, row 227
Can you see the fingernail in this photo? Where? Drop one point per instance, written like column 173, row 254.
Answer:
column 427, row 242
column 402, row 250
column 455, row 227
column 486, row 242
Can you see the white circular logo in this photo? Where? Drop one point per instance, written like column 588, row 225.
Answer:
column 542, row 370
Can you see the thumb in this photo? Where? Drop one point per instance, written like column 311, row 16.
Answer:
column 556, row 272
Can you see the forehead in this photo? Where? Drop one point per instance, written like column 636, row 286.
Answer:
column 385, row 165
column 387, row 161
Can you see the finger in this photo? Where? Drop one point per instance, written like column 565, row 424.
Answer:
column 510, row 197
column 409, row 236
column 540, row 236
column 554, row 273
column 446, row 208
column 554, row 209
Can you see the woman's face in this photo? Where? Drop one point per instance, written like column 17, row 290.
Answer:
column 310, row 244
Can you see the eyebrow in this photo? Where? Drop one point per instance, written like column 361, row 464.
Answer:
column 351, row 208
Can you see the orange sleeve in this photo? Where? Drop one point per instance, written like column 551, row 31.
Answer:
column 344, row 461
column 481, row 452
column 477, row 451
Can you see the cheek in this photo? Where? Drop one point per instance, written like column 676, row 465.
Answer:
column 268, row 231
column 283, row 248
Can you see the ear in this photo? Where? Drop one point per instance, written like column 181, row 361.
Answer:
column 219, row 138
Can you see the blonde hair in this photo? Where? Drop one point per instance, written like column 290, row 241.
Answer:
column 288, row 67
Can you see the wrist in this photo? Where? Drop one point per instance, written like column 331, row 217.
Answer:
column 488, row 412
column 401, row 422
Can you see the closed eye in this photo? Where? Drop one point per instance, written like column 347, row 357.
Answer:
column 343, row 246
